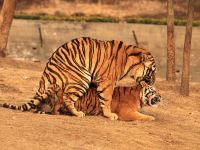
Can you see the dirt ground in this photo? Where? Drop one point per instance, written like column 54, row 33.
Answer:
column 177, row 124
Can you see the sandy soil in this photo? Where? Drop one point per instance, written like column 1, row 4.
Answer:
column 177, row 124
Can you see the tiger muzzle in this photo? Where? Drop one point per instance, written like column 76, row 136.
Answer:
column 154, row 100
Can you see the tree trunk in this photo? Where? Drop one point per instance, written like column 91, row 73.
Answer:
column 186, row 53
column 171, row 76
column 6, row 17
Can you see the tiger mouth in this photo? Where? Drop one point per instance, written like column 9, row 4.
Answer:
column 153, row 100
column 149, row 80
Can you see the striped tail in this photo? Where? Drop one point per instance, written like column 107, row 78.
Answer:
column 10, row 106
column 34, row 104
column 24, row 107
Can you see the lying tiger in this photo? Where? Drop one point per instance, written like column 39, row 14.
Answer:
column 126, row 102
column 76, row 65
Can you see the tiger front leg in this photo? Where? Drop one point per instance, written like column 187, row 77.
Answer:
column 105, row 93
column 140, row 116
column 69, row 100
column 127, row 114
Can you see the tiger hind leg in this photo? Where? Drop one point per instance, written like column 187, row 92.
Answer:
column 53, row 102
column 39, row 98
column 69, row 100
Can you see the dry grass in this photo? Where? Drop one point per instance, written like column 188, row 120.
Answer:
column 134, row 8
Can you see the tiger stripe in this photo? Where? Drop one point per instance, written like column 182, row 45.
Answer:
column 75, row 65
column 90, row 104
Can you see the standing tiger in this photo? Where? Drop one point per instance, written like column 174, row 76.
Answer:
column 76, row 65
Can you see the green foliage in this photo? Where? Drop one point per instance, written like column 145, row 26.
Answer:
column 99, row 18
column 145, row 20
column 28, row 17
column 74, row 18
column 80, row 17
column 177, row 22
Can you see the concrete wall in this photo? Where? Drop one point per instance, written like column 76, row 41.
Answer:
column 26, row 40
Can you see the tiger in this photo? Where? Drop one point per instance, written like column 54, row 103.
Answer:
column 126, row 102
column 77, row 64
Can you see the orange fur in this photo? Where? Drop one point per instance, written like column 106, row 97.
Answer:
column 77, row 64
column 125, row 103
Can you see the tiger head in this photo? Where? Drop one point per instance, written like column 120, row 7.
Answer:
column 140, row 66
column 150, row 72
column 149, row 96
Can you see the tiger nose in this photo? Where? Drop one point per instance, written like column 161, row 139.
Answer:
column 155, row 100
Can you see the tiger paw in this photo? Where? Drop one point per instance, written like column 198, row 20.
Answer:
column 143, row 84
column 151, row 118
column 148, row 118
column 112, row 116
column 79, row 114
